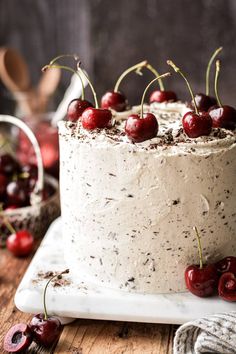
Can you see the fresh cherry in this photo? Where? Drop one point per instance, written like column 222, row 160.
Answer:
column 201, row 280
column 17, row 193
column 203, row 102
column 75, row 109
column 222, row 116
column 11, row 207
column 142, row 127
column 45, row 332
column 115, row 99
column 18, row 338
column 196, row 125
column 20, row 243
column 227, row 287
column 162, row 96
column 227, row 264
column 93, row 118
column 77, row 106
column 46, row 329
column 3, row 184
column 8, row 165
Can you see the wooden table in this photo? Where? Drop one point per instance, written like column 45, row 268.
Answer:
column 82, row 336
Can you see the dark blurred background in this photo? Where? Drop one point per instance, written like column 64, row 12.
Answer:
column 110, row 35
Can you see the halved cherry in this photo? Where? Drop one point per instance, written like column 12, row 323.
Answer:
column 18, row 338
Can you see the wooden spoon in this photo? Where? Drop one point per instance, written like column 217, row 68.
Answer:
column 14, row 71
column 15, row 76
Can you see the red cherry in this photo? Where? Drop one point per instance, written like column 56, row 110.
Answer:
column 21, row 243
column 3, row 184
column 11, row 207
column 17, row 193
column 227, row 287
column 75, row 109
column 45, row 332
column 114, row 100
column 140, row 129
column 203, row 102
column 93, row 118
column 227, row 264
column 196, row 125
column 162, row 96
column 18, row 338
column 8, row 165
column 223, row 117
column 201, row 281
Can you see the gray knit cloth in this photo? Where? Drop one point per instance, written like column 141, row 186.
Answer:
column 213, row 334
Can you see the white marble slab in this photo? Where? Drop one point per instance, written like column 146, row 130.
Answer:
column 76, row 300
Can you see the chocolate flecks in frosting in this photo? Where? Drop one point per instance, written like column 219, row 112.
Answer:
column 176, row 201
column 179, row 168
column 219, row 133
column 131, row 279
column 170, row 134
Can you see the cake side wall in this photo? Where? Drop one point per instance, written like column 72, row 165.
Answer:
column 128, row 214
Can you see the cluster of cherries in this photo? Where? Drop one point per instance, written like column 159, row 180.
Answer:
column 206, row 280
column 208, row 111
column 43, row 329
column 16, row 184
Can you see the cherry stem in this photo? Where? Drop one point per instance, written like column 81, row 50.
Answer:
column 56, row 66
column 216, row 83
column 214, row 55
column 199, row 247
column 155, row 72
column 6, row 221
column 136, row 68
column 58, row 276
column 74, row 56
column 147, row 87
column 176, row 69
column 90, row 84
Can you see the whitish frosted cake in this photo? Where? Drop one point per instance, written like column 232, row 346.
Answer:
column 128, row 209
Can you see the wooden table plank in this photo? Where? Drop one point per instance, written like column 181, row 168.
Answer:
column 94, row 337
column 82, row 336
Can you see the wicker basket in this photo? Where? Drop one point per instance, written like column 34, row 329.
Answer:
column 38, row 216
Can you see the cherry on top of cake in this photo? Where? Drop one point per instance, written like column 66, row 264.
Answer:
column 117, row 101
column 222, row 116
column 198, row 123
column 204, row 101
column 139, row 128
column 151, row 123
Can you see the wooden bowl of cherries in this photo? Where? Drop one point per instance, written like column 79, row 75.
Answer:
column 29, row 200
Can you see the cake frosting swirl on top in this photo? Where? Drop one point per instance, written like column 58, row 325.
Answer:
column 170, row 131
column 128, row 208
